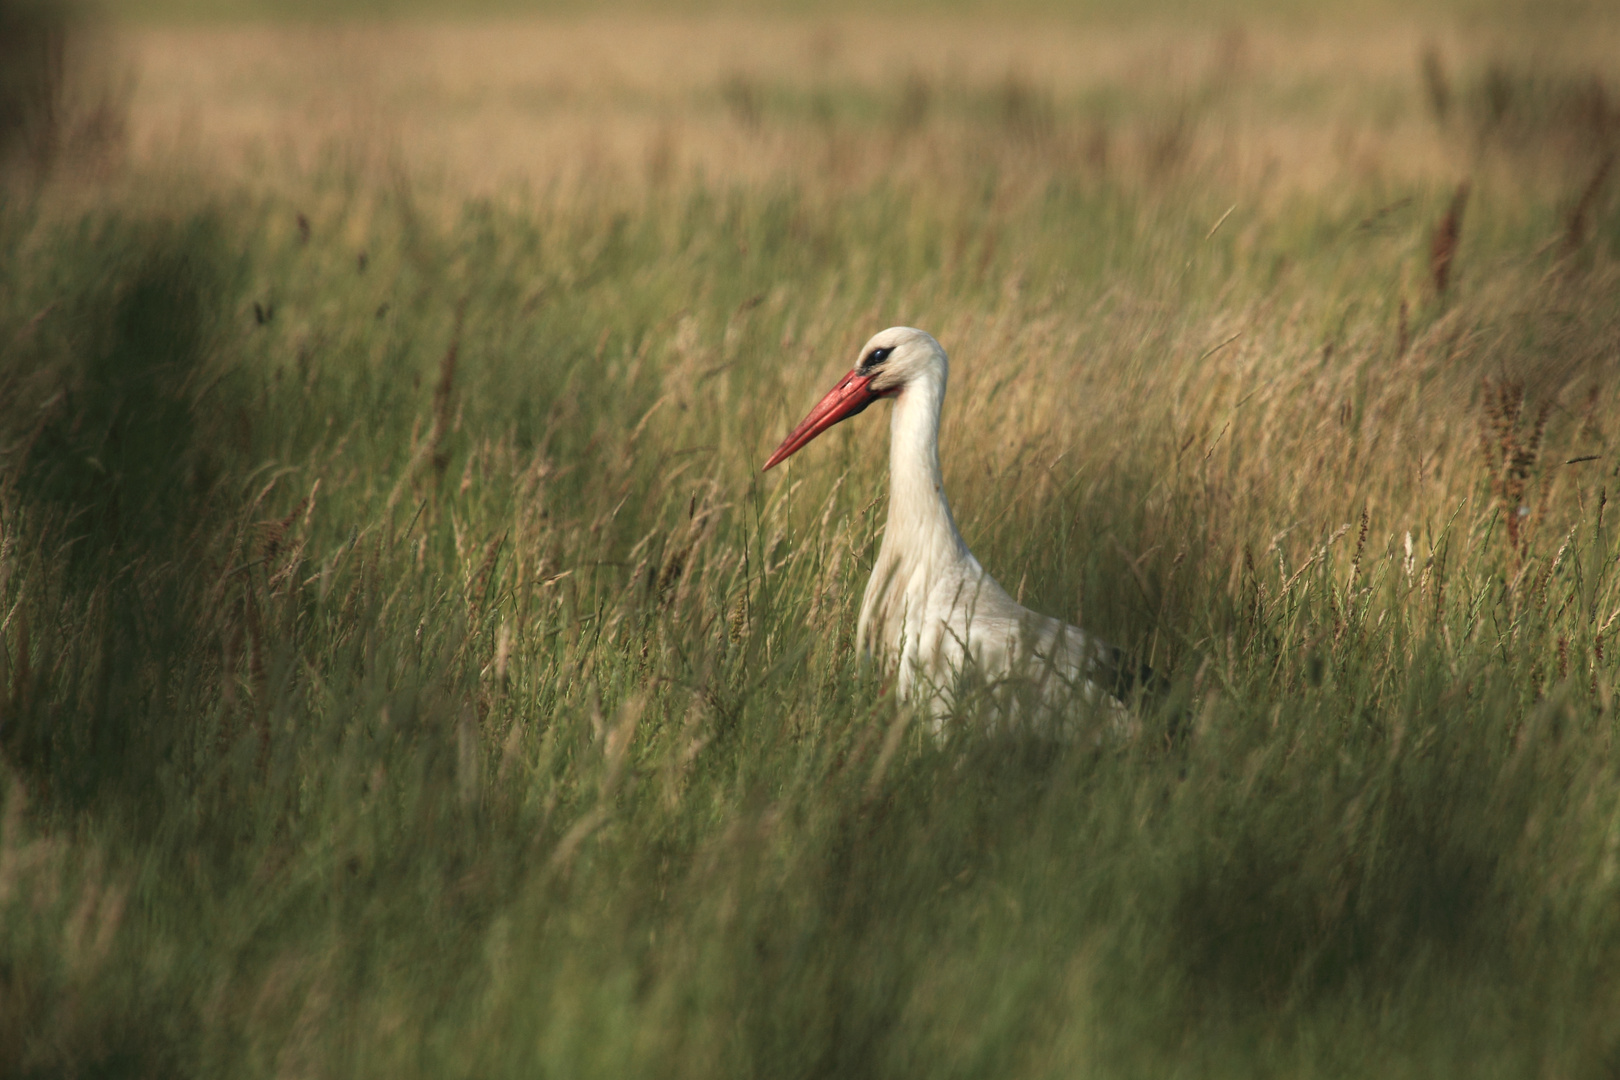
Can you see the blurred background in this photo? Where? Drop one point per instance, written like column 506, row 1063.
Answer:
column 492, row 96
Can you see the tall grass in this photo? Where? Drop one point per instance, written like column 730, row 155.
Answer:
column 408, row 672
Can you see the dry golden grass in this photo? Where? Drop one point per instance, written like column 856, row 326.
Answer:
column 405, row 670
column 624, row 101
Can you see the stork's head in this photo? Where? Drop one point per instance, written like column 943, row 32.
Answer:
column 888, row 363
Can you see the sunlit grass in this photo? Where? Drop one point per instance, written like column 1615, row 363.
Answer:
column 406, row 670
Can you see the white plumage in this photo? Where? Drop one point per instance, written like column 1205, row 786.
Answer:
column 931, row 613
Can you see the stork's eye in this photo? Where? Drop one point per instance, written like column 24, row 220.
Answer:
column 877, row 356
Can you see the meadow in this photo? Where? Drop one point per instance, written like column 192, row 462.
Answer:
column 405, row 669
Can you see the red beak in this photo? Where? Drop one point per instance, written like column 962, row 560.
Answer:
column 852, row 394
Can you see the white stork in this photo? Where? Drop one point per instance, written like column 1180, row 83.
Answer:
column 931, row 613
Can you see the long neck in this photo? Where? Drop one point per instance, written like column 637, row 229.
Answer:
column 920, row 522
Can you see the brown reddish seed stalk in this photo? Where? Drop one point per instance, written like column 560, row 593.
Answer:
column 1443, row 247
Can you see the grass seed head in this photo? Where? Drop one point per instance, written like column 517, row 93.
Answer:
column 1443, row 245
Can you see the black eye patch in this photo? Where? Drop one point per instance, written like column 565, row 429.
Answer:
column 876, row 357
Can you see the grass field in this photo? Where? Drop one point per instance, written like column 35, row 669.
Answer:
column 405, row 669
